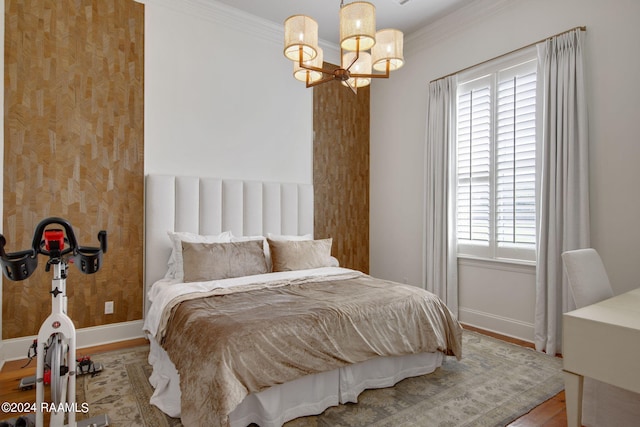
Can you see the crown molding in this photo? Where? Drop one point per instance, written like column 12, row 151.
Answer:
column 222, row 14
column 236, row 19
column 453, row 23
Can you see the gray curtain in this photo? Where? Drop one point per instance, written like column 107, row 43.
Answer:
column 563, row 208
column 441, row 275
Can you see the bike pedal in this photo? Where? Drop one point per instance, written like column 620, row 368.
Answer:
column 96, row 368
column 27, row 383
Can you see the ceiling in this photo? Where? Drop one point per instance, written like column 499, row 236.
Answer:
column 408, row 17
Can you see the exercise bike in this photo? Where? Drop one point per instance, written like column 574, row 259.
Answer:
column 57, row 335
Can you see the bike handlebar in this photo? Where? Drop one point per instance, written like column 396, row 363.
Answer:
column 20, row 265
column 38, row 244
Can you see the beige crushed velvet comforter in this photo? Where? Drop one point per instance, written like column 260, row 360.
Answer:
column 229, row 345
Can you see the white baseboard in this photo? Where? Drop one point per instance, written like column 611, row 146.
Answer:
column 16, row 348
column 502, row 325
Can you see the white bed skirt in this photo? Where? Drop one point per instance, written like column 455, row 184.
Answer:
column 305, row 396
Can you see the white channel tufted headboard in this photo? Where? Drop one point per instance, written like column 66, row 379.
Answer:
column 211, row 206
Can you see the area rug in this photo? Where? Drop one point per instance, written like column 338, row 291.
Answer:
column 494, row 383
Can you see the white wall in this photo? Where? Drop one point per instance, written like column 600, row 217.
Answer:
column 220, row 99
column 502, row 299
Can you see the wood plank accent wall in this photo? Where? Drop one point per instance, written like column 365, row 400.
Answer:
column 341, row 171
column 73, row 148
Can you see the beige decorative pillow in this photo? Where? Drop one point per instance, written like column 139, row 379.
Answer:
column 175, row 267
column 300, row 254
column 212, row 261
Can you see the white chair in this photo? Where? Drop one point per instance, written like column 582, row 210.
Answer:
column 587, row 277
column 603, row 405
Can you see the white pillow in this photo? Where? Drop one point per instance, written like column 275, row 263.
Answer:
column 176, row 263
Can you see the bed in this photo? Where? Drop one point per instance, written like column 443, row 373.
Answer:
column 287, row 334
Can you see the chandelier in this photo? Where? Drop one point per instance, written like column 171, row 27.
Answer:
column 357, row 36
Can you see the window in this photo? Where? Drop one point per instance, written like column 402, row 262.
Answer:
column 496, row 160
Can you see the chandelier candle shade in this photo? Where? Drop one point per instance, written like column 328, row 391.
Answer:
column 357, row 36
column 357, row 26
column 300, row 38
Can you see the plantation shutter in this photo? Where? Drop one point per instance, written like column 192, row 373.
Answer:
column 515, row 158
column 473, row 163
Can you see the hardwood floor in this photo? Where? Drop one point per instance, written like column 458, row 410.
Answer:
column 551, row 413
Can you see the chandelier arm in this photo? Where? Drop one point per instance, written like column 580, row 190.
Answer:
column 312, row 68
column 301, row 64
column 319, row 82
column 357, row 53
column 370, row 76
column 354, row 89
column 375, row 76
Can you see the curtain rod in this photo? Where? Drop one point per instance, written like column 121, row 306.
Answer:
column 581, row 28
